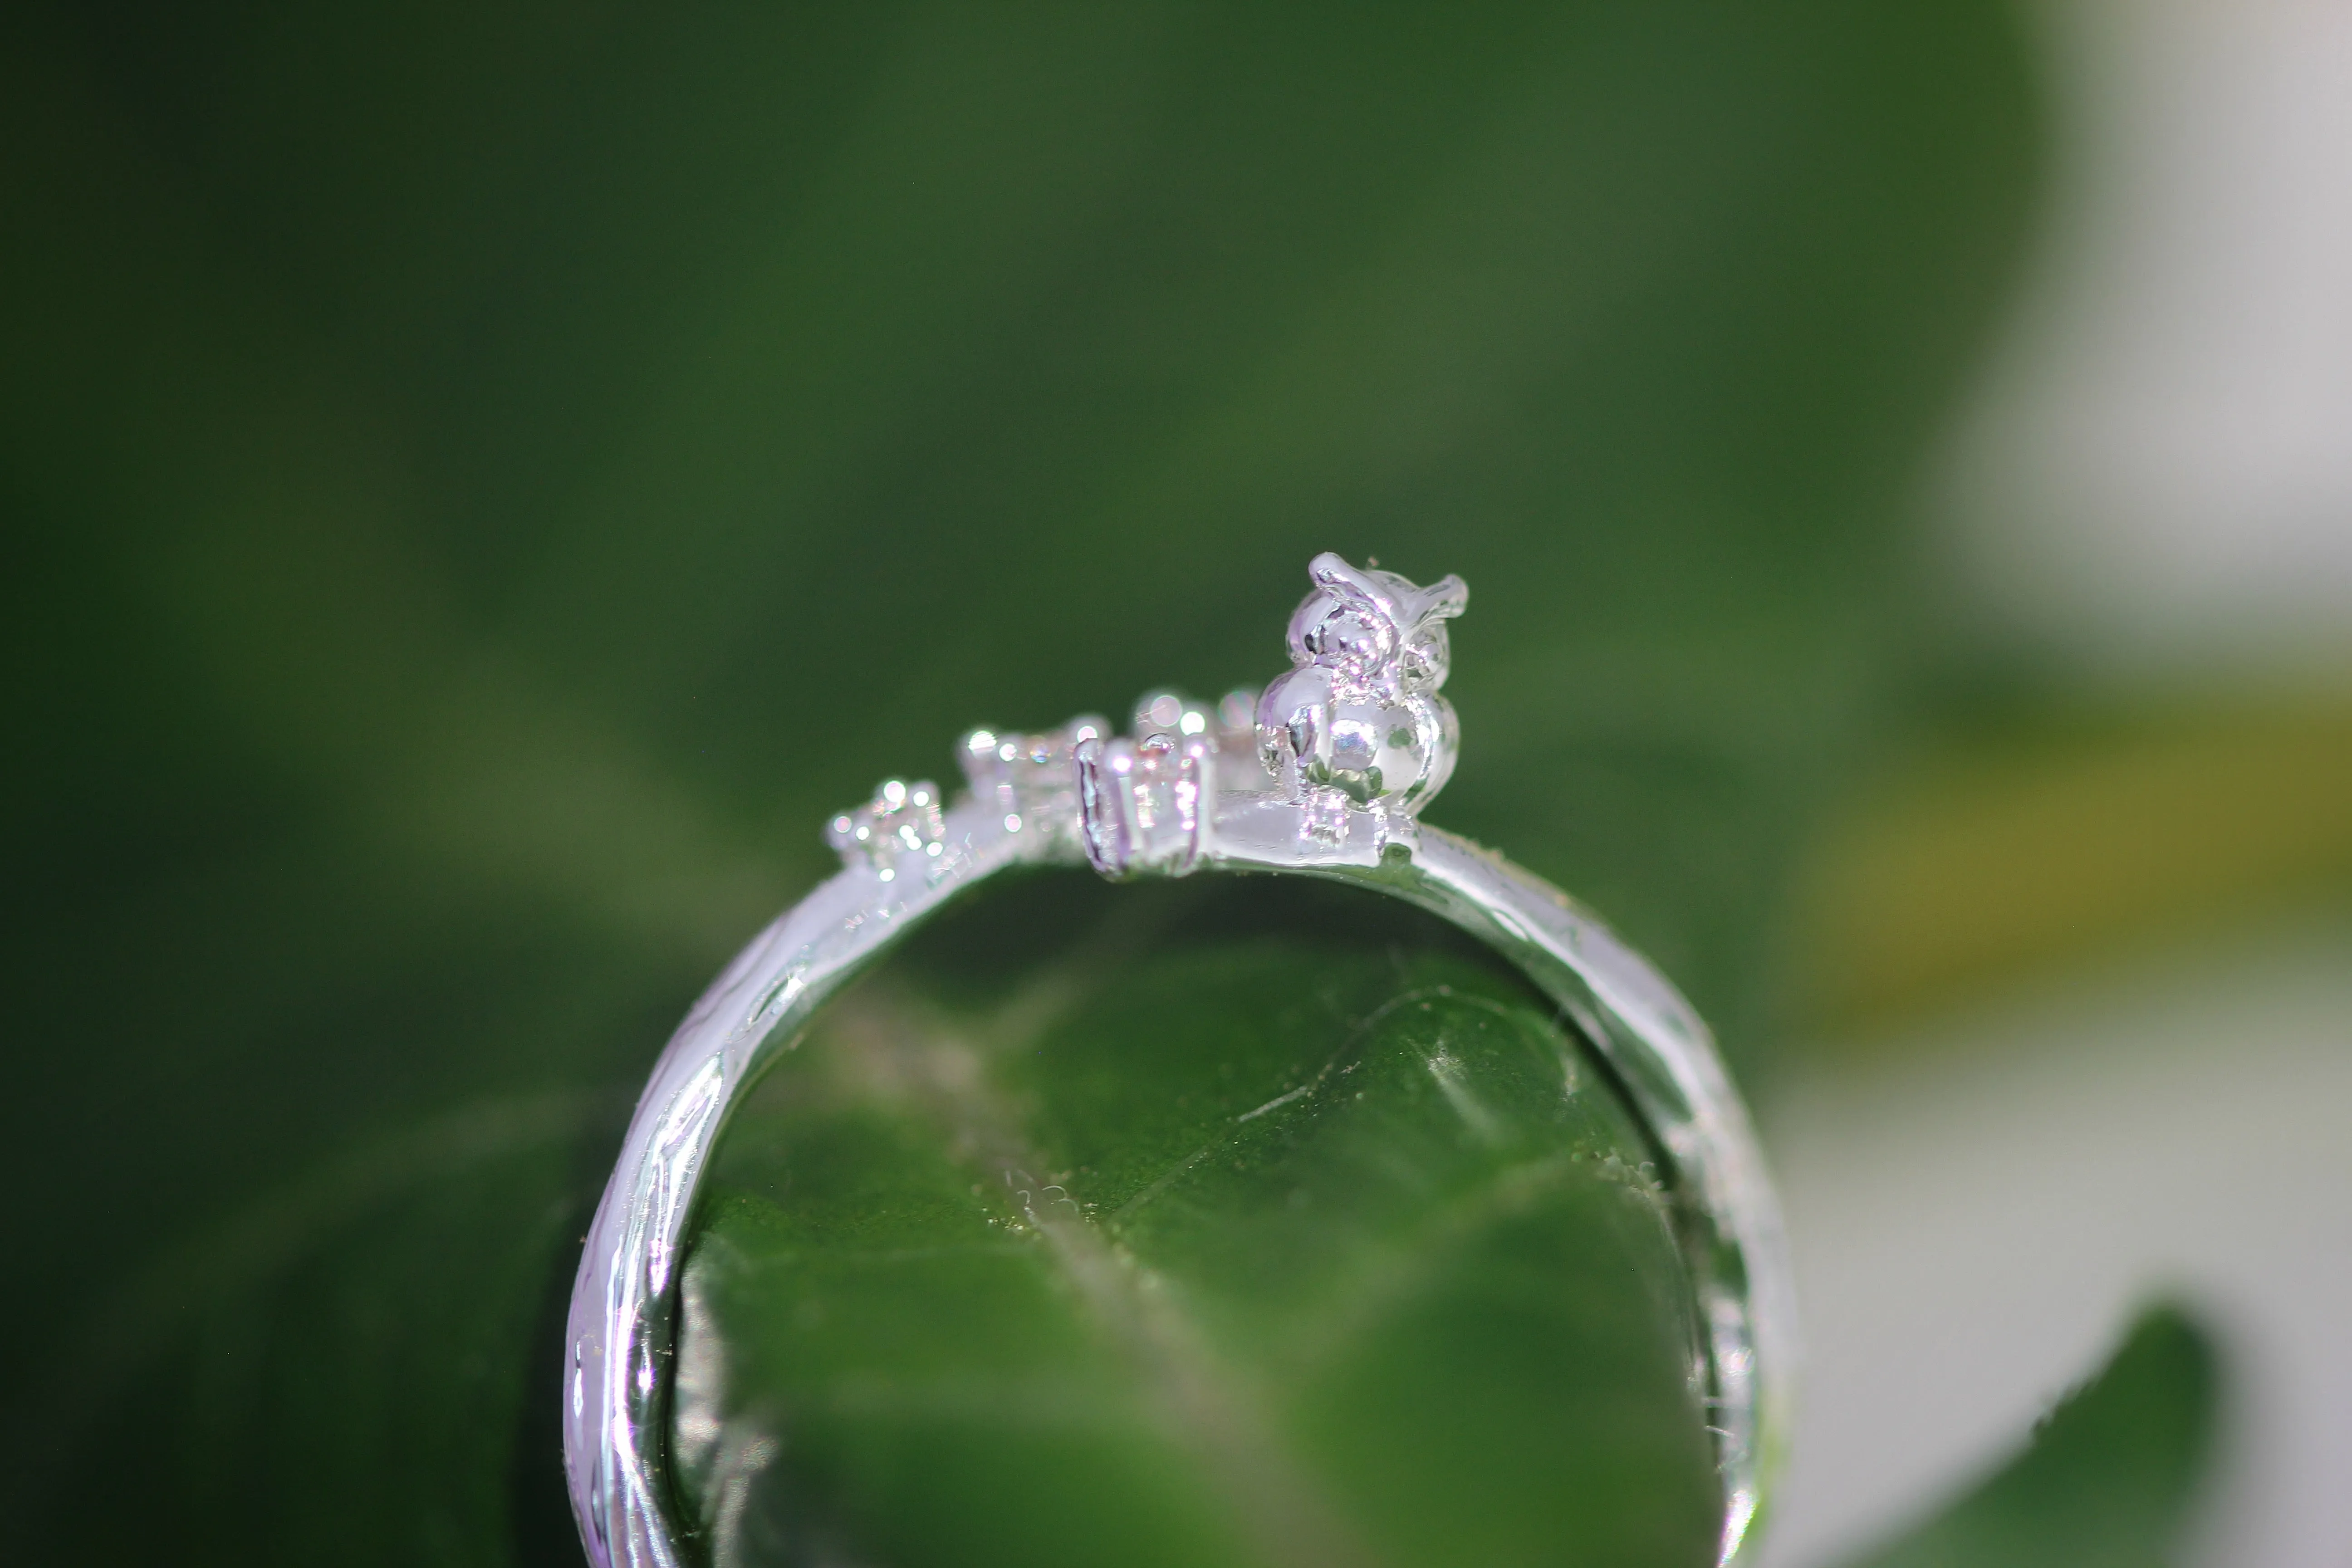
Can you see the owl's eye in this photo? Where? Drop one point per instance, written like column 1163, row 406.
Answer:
column 1424, row 661
column 1348, row 636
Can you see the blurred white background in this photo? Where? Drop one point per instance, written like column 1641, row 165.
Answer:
column 1976, row 1215
column 2155, row 485
column 2159, row 477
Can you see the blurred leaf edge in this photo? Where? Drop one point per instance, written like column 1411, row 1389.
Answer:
column 2111, row 1476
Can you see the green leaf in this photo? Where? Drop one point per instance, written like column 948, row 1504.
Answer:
column 1262, row 1225
column 486, row 482
column 2110, row 1475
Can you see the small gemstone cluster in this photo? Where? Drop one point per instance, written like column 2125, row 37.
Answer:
column 901, row 820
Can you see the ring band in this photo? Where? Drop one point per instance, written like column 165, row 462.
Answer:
column 1323, row 775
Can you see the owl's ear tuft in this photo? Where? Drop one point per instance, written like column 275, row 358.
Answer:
column 1352, row 586
column 1440, row 601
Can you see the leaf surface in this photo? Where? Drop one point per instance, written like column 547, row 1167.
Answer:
column 1263, row 1225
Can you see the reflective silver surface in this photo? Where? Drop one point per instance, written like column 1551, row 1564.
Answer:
column 1324, row 776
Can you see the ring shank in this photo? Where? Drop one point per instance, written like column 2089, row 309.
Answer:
column 621, row 1327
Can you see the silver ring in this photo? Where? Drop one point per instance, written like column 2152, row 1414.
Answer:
column 1324, row 776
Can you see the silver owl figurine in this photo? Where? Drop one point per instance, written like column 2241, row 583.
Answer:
column 1359, row 712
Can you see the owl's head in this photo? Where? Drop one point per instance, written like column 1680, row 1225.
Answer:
column 1364, row 622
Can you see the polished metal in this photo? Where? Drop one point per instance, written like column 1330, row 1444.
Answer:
column 1323, row 775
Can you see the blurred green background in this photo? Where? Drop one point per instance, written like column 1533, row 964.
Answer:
column 483, row 484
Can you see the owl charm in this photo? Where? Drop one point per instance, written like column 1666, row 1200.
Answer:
column 1358, row 713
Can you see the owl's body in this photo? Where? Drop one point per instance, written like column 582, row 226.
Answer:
column 1359, row 711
